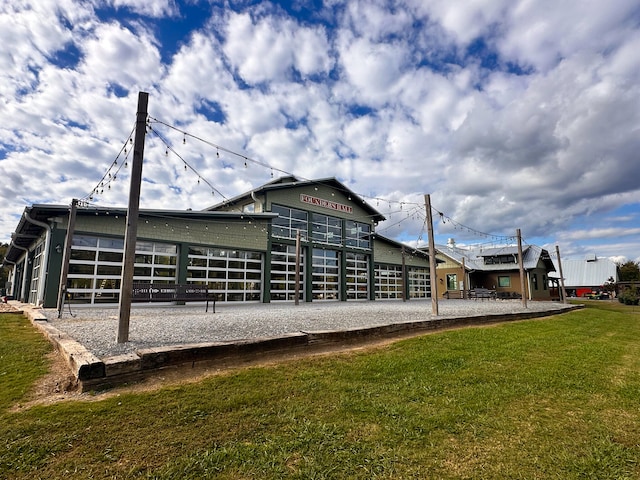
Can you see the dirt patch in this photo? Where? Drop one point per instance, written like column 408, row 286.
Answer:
column 57, row 385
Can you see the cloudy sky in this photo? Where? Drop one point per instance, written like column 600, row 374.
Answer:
column 509, row 113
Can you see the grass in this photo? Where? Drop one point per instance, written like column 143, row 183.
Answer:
column 551, row 398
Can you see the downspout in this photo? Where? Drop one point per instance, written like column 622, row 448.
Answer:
column 45, row 259
column 258, row 202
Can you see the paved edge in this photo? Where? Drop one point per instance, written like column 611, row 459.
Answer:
column 93, row 373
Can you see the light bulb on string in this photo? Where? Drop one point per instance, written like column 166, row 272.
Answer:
column 184, row 139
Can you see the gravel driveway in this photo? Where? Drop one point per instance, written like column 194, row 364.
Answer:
column 153, row 326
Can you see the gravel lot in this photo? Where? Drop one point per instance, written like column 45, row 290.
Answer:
column 154, row 326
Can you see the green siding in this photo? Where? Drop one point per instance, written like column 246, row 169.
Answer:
column 290, row 197
column 247, row 234
column 385, row 252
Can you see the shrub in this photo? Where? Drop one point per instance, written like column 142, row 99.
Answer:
column 628, row 297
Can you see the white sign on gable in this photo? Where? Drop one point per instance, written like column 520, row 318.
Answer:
column 321, row 202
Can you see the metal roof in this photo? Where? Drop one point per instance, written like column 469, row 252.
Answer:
column 474, row 257
column 588, row 272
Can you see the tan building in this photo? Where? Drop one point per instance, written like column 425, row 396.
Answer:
column 494, row 268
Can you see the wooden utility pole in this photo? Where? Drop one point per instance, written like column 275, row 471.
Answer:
column 523, row 282
column 131, row 231
column 432, row 257
column 463, row 294
column 563, row 292
column 71, row 226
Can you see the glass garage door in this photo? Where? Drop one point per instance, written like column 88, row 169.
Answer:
column 95, row 267
column 357, row 276
column 419, row 283
column 326, row 274
column 388, row 281
column 231, row 275
column 283, row 273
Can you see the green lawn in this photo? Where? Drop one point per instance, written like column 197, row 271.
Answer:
column 551, row 398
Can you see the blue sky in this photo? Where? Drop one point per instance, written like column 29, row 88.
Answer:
column 510, row 114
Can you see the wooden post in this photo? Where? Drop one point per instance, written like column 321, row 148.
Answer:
column 523, row 283
column 131, row 232
column 563, row 292
column 71, row 226
column 432, row 257
column 464, row 280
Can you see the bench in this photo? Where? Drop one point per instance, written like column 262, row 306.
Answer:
column 482, row 293
column 161, row 292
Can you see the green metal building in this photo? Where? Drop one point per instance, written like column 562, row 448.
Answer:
column 243, row 250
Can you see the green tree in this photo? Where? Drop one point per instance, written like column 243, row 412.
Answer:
column 629, row 271
column 4, row 272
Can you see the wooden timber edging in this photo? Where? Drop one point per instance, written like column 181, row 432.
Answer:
column 93, row 373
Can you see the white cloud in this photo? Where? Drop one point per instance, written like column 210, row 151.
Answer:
column 115, row 55
column 271, row 48
column 464, row 24
column 151, row 8
column 538, row 132
column 372, row 69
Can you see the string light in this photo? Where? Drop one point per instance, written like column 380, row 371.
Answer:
column 186, row 164
column 414, row 211
column 110, row 174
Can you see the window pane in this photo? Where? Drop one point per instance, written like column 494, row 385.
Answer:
column 109, row 270
column 79, row 268
column 115, row 257
column 84, row 241
column 112, row 243
column 83, row 255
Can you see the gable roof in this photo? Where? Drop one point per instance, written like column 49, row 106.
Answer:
column 474, row 257
column 292, row 181
column 588, row 272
